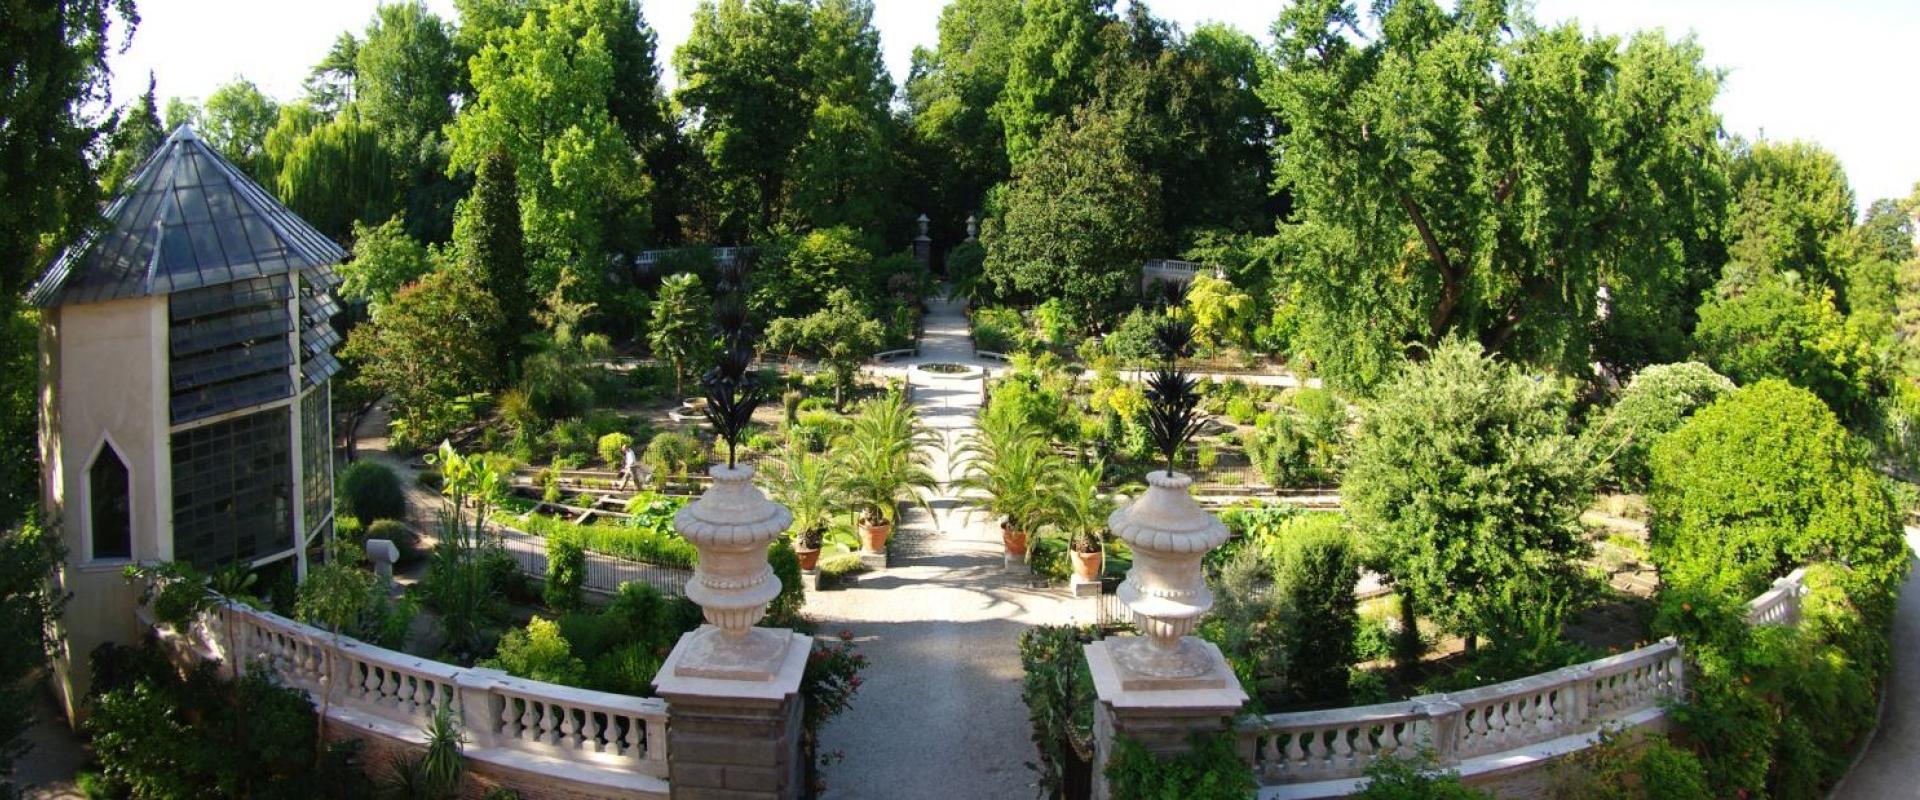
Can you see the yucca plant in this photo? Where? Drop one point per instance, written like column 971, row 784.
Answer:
column 883, row 460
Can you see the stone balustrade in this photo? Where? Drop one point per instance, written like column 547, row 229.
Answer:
column 1779, row 605
column 597, row 744
column 1502, row 720
column 1502, row 729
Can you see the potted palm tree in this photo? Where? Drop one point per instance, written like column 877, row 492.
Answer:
column 1079, row 510
column 882, row 464
column 1009, row 461
column 804, row 484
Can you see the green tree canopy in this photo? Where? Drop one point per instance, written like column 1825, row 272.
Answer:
column 405, row 76
column 1079, row 217
column 385, row 260
column 1473, row 173
column 1654, row 403
column 1792, row 209
column 337, row 175
column 235, row 121
column 1467, row 490
column 136, row 132
column 1763, row 481
column 429, row 346
column 1782, row 328
column 541, row 93
column 492, row 250
column 1050, row 69
column 843, row 333
column 680, row 330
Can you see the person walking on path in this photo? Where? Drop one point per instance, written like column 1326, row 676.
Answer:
column 630, row 476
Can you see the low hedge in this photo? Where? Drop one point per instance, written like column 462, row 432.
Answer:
column 635, row 544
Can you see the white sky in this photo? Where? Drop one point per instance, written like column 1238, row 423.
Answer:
column 1835, row 72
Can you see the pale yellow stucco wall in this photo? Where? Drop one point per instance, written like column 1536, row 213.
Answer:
column 108, row 362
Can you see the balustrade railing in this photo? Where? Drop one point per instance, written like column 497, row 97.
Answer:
column 1780, row 605
column 502, row 716
column 1310, row 746
column 1505, row 718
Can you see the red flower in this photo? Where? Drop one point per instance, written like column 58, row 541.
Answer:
column 846, row 636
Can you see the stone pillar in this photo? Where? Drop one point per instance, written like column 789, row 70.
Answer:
column 923, row 245
column 1165, row 685
column 973, row 228
column 383, row 554
column 733, row 729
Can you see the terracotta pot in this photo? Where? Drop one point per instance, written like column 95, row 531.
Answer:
column 873, row 538
column 1086, row 566
column 809, row 557
column 1015, row 541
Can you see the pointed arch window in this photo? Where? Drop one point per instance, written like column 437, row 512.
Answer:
column 110, row 505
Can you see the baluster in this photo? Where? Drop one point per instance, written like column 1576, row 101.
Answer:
column 550, row 725
column 592, row 734
column 569, row 728
column 629, row 743
column 510, row 723
column 1300, row 754
column 530, row 720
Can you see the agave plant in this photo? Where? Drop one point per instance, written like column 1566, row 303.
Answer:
column 804, row 483
column 1078, row 509
column 882, row 460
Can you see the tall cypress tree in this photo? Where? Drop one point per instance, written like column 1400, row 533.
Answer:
column 493, row 250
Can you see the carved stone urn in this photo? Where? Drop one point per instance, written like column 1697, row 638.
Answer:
column 1166, row 590
column 731, row 526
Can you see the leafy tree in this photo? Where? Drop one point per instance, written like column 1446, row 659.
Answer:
column 1791, row 211
column 1049, row 70
column 338, row 175
column 842, row 334
column 136, row 132
column 743, row 72
column 429, row 346
column 1222, row 314
column 57, row 55
column 1317, row 570
column 798, row 275
column 541, row 93
column 487, row 236
column 1080, row 215
column 1885, row 234
column 1472, row 173
column 29, row 608
column 405, row 76
column 1655, row 402
column 678, row 333
column 329, row 84
column 539, row 652
column 1781, row 328
column 1466, row 490
column 959, row 145
column 1727, row 521
column 235, row 121
column 385, row 260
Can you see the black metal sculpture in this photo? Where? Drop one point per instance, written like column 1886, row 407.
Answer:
column 733, row 391
column 1173, row 414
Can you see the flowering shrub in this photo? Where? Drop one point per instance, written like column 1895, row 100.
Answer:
column 831, row 679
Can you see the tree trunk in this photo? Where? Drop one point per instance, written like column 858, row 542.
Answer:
column 1407, row 648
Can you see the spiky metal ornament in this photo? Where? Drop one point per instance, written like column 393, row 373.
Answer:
column 732, row 389
column 1173, row 414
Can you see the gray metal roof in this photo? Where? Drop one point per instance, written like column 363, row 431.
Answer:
column 189, row 219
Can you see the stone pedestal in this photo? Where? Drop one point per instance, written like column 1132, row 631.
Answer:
column 734, row 689
column 734, row 738
column 1159, row 713
column 1079, row 588
column 1162, row 687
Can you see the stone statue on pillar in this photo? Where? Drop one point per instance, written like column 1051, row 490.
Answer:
column 734, row 687
column 923, row 244
column 1166, row 684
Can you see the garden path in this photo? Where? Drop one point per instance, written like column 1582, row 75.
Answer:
column 939, row 712
column 1885, row 770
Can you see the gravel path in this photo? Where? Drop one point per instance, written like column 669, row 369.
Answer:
column 939, row 711
column 1886, row 771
